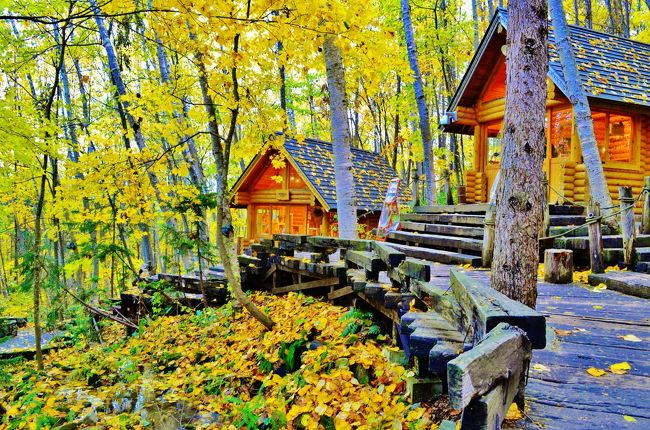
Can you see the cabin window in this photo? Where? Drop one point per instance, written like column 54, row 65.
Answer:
column 272, row 219
column 614, row 134
column 494, row 143
column 561, row 131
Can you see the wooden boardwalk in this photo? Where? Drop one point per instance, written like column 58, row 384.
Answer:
column 585, row 328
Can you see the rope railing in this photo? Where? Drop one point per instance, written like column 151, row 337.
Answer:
column 591, row 220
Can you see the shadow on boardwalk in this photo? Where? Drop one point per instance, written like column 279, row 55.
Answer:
column 585, row 329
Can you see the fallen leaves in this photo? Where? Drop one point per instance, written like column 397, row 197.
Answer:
column 540, row 368
column 631, row 338
column 221, row 365
column 620, row 368
column 596, row 372
column 629, row 419
column 514, row 413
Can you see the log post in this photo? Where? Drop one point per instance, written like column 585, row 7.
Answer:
column 595, row 238
column 627, row 223
column 645, row 220
column 558, row 266
column 488, row 235
column 545, row 208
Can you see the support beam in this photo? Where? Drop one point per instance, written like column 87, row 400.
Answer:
column 307, row 285
column 627, row 223
column 503, row 353
column 596, row 257
column 645, row 220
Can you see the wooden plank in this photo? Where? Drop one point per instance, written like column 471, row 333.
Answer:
column 341, row 292
column 392, row 314
column 438, row 255
column 365, row 259
column 466, row 208
column 415, row 269
column 483, row 308
column 307, row 285
column 389, row 255
column 455, row 230
column 296, row 239
column 565, row 220
column 334, row 243
column 489, row 411
column 462, row 219
column 635, row 284
column 438, row 240
column 499, row 356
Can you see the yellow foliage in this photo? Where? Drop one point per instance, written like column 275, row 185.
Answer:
column 222, row 362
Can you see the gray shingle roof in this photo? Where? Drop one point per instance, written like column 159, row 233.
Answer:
column 371, row 171
column 611, row 67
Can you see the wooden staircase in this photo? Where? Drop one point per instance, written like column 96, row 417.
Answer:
column 453, row 234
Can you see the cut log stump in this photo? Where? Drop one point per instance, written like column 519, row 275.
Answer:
column 558, row 266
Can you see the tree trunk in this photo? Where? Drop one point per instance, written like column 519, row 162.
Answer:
column 519, row 195
column 37, row 266
column 582, row 113
column 345, row 185
column 576, row 13
column 589, row 15
column 420, row 98
column 116, row 76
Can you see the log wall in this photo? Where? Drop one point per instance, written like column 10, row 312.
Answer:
column 476, row 186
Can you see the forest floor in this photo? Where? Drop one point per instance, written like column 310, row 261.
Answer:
column 321, row 365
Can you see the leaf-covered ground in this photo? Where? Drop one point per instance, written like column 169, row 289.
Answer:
column 318, row 368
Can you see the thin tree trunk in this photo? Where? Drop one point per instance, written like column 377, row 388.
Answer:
column 37, row 265
column 420, row 98
column 576, row 13
column 589, row 14
column 582, row 113
column 5, row 288
column 519, row 195
column 475, row 18
column 221, row 153
column 345, row 186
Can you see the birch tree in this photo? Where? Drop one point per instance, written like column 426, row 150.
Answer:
column 345, row 186
column 423, row 110
column 581, row 112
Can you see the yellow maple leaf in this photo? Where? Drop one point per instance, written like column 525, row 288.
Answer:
column 514, row 413
column 631, row 338
column 620, row 368
column 629, row 419
column 595, row 372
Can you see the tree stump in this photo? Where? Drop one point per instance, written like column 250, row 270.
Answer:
column 558, row 266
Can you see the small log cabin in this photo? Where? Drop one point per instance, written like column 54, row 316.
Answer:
column 615, row 73
column 289, row 188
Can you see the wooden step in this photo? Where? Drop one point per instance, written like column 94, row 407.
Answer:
column 451, row 230
column 437, row 240
column 567, row 220
column 632, row 283
column 615, row 255
column 609, row 241
column 449, row 209
column 582, row 231
column 437, row 255
column 463, row 219
column 566, row 210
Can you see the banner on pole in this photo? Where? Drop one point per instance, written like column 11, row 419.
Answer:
column 389, row 218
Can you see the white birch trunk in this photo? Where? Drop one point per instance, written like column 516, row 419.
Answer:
column 581, row 111
column 345, row 186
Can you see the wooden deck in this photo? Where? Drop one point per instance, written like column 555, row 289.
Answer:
column 632, row 283
column 585, row 328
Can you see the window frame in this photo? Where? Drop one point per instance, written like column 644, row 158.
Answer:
column 635, row 153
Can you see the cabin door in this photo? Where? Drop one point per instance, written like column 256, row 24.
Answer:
column 493, row 153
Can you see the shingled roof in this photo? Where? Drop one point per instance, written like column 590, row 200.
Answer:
column 611, row 67
column 314, row 161
column 371, row 171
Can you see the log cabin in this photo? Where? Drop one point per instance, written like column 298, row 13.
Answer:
column 615, row 73
column 289, row 187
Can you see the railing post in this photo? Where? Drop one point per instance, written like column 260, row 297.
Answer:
column 645, row 220
column 627, row 223
column 545, row 208
column 488, row 235
column 489, row 223
column 595, row 238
